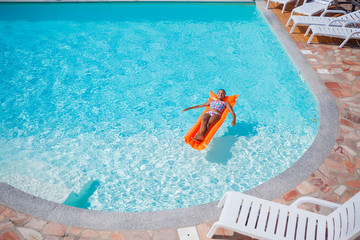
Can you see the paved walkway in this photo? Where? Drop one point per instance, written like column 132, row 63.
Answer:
column 337, row 179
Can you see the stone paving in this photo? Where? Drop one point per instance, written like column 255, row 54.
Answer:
column 337, row 179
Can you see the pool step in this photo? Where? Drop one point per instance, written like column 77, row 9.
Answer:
column 45, row 190
column 81, row 199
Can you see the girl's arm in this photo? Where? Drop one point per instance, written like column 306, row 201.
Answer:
column 228, row 105
column 198, row 106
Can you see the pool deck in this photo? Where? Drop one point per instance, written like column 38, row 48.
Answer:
column 336, row 179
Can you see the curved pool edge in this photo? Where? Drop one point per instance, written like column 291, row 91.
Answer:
column 299, row 171
column 328, row 122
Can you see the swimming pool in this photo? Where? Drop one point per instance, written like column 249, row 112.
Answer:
column 95, row 103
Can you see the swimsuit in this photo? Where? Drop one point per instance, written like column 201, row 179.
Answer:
column 213, row 113
column 219, row 105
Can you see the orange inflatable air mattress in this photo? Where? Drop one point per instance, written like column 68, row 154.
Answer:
column 196, row 128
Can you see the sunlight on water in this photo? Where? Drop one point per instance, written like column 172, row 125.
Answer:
column 91, row 109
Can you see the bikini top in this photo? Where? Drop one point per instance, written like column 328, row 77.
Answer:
column 219, row 105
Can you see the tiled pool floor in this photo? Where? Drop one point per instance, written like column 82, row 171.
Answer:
column 337, row 179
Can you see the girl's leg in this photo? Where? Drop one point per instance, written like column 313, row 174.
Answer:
column 207, row 122
column 204, row 122
column 213, row 119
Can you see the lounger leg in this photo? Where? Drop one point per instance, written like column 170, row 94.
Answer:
column 311, row 38
column 267, row 5
column 213, row 230
column 288, row 22
column 307, row 31
column 297, row 2
column 283, row 8
column 344, row 42
column 293, row 28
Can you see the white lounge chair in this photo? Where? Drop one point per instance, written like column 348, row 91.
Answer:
column 330, row 21
column 262, row 219
column 344, row 32
column 285, row 2
column 311, row 20
column 311, row 8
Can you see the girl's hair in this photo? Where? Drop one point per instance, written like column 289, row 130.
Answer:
column 222, row 90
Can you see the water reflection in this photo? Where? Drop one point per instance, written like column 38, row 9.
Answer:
column 219, row 150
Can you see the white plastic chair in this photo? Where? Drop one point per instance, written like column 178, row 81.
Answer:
column 311, row 8
column 285, row 2
column 262, row 219
column 330, row 21
column 344, row 32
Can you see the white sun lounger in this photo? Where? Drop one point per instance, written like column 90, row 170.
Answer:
column 330, row 21
column 262, row 219
column 311, row 8
column 344, row 32
column 285, row 2
column 322, row 20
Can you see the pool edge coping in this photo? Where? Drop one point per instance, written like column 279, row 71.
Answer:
column 175, row 218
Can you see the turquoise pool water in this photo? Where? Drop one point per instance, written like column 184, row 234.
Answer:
column 92, row 95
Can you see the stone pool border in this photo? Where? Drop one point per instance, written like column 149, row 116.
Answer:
column 298, row 172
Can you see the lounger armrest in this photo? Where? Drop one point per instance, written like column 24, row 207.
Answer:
column 353, row 33
column 351, row 22
column 332, row 11
column 315, row 201
column 344, row 22
column 325, row 2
